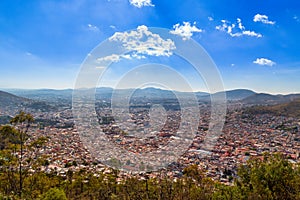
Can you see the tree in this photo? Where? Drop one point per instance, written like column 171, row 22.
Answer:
column 22, row 122
column 8, row 159
column 12, row 148
column 269, row 177
column 226, row 192
column 54, row 194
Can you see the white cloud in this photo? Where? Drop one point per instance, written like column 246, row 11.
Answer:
column 251, row 33
column 92, row 28
column 117, row 58
column 140, row 3
column 137, row 56
column 236, row 29
column 210, row 19
column 139, row 43
column 126, row 56
column 144, row 42
column 186, row 30
column 110, row 58
column 296, row 18
column 239, row 21
column 264, row 61
column 263, row 18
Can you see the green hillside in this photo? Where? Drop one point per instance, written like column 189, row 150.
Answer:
column 290, row 109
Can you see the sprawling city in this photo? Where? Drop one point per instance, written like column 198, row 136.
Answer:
column 250, row 130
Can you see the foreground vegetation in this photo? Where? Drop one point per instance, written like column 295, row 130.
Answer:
column 267, row 177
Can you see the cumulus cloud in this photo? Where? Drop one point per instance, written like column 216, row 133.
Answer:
column 210, row 19
column 251, row 33
column 111, row 58
column 264, row 61
column 186, row 30
column 236, row 29
column 117, row 58
column 92, row 27
column 240, row 25
column 140, row 3
column 139, row 43
column 263, row 18
column 144, row 42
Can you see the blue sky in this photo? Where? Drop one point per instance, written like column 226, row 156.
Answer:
column 255, row 44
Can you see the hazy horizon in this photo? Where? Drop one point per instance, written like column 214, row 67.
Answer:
column 204, row 91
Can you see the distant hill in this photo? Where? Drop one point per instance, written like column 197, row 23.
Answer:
column 48, row 95
column 104, row 93
column 268, row 99
column 201, row 94
column 150, row 92
column 231, row 95
column 10, row 100
column 239, row 94
column 290, row 109
column 12, row 103
column 64, row 97
column 154, row 93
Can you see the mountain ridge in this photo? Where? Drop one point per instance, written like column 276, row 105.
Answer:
column 289, row 109
column 244, row 96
